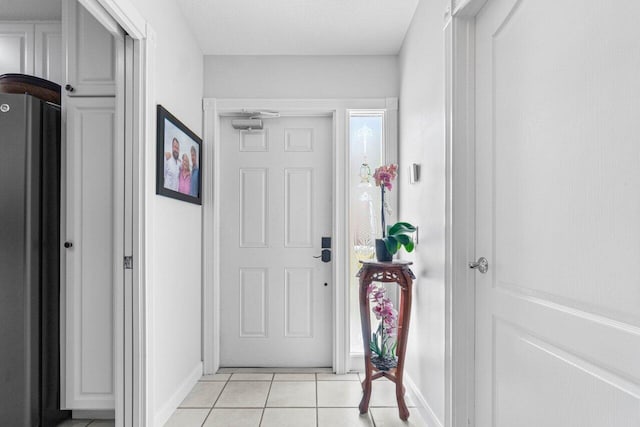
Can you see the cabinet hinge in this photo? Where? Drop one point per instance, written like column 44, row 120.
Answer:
column 128, row 263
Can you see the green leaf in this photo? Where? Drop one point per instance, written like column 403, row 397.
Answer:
column 392, row 244
column 403, row 238
column 409, row 246
column 406, row 241
column 401, row 227
column 373, row 344
column 373, row 347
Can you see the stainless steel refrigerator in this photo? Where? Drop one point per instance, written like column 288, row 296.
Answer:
column 29, row 262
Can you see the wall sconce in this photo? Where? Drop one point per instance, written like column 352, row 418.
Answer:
column 414, row 173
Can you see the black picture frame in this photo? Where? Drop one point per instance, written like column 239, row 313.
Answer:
column 168, row 184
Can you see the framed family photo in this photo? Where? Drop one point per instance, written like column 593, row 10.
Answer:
column 178, row 172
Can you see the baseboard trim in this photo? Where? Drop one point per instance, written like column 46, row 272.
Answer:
column 356, row 362
column 422, row 406
column 163, row 415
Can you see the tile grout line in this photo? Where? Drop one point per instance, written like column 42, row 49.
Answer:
column 215, row 401
column 265, row 404
column 267, row 399
column 371, row 415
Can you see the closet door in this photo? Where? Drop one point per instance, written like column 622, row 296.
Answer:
column 94, row 63
column 90, row 53
column 93, row 233
column 16, row 48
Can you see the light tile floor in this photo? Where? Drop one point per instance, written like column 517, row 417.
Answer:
column 86, row 423
column 283, row 398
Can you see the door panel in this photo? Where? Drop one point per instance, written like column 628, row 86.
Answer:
column 558, row 312
column 275, row 297
column 90, row 51
column 298, row 305
column 91, row 227
column 298, row 205
column 253, row 302
column 254, row 185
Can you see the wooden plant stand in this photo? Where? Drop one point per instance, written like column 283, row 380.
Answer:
column 387, row 272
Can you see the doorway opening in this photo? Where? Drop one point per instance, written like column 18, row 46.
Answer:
column 134, row 131
column 336, row 111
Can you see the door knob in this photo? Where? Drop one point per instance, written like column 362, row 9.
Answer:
column 326, row 250
column 482, row 265
column 326, row 255
column 69, row 88
column 68, row 245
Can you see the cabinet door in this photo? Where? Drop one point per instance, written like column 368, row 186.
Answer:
column 16, row 48
column 48, row 52
column 89, row 51
column 94, row 229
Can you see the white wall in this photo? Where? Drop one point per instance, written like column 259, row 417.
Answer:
column 300, row 76
column 24, row 10
column 175, row 281
column 422, row 140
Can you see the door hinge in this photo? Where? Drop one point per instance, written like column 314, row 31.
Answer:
column 128, row 263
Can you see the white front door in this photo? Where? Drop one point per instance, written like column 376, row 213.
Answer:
column 558, row 214
column 276, row 205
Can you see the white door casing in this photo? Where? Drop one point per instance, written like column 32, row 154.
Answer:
column 276, row 298
column 557, row 154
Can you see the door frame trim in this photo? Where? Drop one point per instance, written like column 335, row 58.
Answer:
column 459, row 31
column 337, row 109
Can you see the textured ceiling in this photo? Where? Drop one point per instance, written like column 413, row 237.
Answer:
column 30, row 10
column 299, row 27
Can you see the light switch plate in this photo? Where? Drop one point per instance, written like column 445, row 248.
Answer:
column 414, row 173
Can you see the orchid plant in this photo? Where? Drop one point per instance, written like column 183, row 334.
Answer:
column 382, row 342
column 383, row 176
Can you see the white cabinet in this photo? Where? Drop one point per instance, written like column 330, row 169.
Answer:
column 32, row 48
column 94, row 213
column 90, row 53
column 92, row 230
column 48, row 52
column 16, row 48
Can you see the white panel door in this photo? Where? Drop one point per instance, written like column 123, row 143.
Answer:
column 94, row 229
column 558, row 209
column 90, row 52
column 48, row 52
column 275, row 207
column 16, row 48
